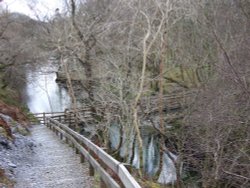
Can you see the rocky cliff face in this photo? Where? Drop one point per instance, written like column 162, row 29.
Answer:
column 73, row 68
column 13, row 112
column 12, row 119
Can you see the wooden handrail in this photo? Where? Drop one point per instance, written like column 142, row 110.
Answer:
column 50, row 113
column 105, row 177
column 97, row 157
column 78, row 140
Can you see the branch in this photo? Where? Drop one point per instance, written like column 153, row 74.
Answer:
column 177, row 82
column 3, row 29
column 243, row 10
column 228, row 61
column 73, row 14
column 237, row 175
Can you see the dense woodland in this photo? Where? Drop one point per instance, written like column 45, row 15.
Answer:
column 137, row 58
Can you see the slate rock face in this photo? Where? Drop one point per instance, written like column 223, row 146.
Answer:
column 4, row 143
column 9, row 126
column 12, row 120
column 4, row 125
column 13, row 112
column 75, row 71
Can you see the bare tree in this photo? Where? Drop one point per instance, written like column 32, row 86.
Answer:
column 133, row 51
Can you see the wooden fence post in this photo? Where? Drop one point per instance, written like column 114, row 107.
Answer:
column 61, row 136
column 82, row 159
column 91, row 170
column 77, row 151
column 44, row 118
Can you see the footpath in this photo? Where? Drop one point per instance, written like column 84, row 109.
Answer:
column 53, row 164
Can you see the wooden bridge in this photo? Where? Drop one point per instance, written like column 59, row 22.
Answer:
column 113, row 174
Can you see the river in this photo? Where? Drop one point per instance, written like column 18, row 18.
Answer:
column 43, row 94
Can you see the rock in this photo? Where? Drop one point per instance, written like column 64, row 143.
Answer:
column 75, row 70
column 31, row 145
column 13, row 154
column 3, row 132
column 12, row 165
column 13, row 112
column 22, row 130
column 4, row 142
column 11, row 127
column 3, row 185
column 6, row 127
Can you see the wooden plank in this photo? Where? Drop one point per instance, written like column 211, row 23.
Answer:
column 109, row 181
column 117, row 167
column 106, row 158
column 49, row 113
column 82, row 158
column 127, row 179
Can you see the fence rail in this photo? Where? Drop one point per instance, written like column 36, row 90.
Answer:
column 40, row 117
column 113, row 173
column 149, row 105
column 99, row 161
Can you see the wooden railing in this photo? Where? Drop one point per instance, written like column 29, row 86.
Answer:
column 113, row 173
column 147, row 104
column 67, row 117
column 40, row 117
column 97, row 158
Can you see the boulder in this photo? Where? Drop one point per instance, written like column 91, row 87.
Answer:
column 12, row 119
column 13, row 112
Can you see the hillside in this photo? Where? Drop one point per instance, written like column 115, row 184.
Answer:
column 16, row 32
column 170, row 78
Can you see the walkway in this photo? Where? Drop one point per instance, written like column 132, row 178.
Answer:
column 53, row 164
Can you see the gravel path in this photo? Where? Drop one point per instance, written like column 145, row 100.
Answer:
column 53, row 164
